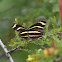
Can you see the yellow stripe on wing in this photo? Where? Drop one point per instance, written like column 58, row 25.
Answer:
column 42, row 23
column 29, row 32
column 20, row 28
column 14, row 26
column 36, row 27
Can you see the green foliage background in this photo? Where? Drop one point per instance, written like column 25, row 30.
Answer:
column 26, row 11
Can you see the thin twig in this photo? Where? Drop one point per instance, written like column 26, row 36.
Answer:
column 53, row 44
column 12, row 50
column 55, row 33
column 6, row 51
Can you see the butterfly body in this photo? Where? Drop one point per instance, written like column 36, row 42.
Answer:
column 35, row 31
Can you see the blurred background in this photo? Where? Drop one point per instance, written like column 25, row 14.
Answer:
column 26, row 11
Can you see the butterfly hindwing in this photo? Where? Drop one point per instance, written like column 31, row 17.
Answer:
column 30, row 34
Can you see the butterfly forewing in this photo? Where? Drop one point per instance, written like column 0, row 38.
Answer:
column 18, row 27
column 38, row 26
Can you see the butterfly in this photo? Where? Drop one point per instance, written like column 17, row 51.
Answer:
column 34, row 31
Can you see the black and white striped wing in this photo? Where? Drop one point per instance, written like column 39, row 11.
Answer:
column 30, row 34
column 18, row 27
column 38, row 26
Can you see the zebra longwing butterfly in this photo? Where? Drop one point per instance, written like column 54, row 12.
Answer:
column 35, row 31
